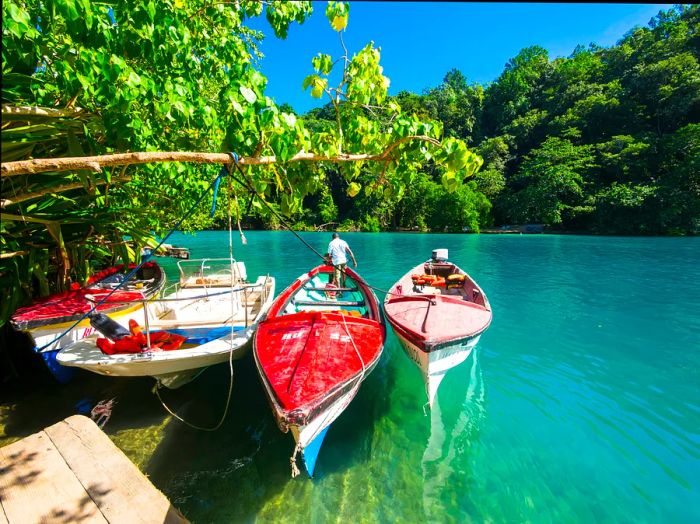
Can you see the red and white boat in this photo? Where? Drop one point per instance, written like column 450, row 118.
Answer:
column 49, row 317
column 438, row 313
column 314, row 349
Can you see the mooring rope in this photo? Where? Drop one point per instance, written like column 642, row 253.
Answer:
column 156, row 390
column 293, row 460
column 234, row 159
column 351, row 393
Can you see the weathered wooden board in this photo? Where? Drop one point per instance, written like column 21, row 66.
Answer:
column 72, row 472
column 36, row 485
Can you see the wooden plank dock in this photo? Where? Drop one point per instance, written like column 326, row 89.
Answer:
column 72, row 472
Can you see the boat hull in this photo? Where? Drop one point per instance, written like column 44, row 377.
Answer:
column 46, row 337
column 433, row 365
column 218, row 324
column 86, row 355
column 51, row 321
column 438, row 327
column 312, row 355
column 310, row 436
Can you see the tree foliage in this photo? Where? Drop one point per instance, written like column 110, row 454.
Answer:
column 605, row 140
column 82, row 79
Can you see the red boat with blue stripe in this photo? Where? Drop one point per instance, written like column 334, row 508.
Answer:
column 313, row 351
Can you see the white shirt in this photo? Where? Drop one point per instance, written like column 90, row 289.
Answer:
column 336, row 249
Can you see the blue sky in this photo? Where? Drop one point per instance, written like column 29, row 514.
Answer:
column 421, row 41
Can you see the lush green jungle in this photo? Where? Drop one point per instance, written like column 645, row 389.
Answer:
column 605, row 141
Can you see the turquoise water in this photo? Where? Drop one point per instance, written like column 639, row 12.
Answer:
column 581, row 402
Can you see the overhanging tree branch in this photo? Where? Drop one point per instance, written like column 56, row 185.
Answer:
column 96, row 163
column 17, row 112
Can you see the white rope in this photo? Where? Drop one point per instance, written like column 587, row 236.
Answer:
column 194, row 426
column 231, row 348
column 353, row 345
column 293, row 461
column 351, row 394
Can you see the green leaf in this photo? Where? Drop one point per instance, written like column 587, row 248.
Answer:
column 337, row 14
column 449, row 181
column 289, row 119
column 133, row 80
column 309, row 81
column 317, row 85
column 322, row 63
column 353, row 189
column 248, row 94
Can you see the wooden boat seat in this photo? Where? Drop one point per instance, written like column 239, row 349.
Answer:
column 333, row 289
column 356, row 303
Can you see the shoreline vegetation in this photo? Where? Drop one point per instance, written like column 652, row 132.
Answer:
column 604, row 141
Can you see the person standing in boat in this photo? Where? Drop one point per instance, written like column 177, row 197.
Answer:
column 337, row 250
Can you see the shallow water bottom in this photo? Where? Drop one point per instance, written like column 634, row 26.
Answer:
column 579, row 404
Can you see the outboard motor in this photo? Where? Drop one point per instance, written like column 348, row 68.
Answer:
column 439, row 255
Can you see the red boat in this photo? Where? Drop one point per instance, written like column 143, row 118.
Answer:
column 314, row 349
column 438, row 313
column 49, row 317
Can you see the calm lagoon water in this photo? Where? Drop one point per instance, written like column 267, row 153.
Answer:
column 581, row 402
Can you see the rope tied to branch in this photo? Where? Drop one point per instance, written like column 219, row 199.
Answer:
column 225, row 170
column 158, row 385
column 146, row 258
column 234, row 162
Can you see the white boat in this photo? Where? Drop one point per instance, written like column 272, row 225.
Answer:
column 59, row 320
column 213, row 306
column 438, row 313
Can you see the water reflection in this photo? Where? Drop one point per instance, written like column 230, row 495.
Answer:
column 449, row 444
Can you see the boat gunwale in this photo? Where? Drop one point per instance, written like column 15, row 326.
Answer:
column 111, row 306
column 105, row 361
column 294, row 416
column 286, row 296
column 427, row 344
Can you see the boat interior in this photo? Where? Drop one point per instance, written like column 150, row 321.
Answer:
column 443, row 278
column 146, row 276
column 207, row 272
column 204, row 298
column 318, row 295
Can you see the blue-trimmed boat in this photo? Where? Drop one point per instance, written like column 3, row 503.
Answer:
column 49, row 320
column 214, row 307
column 313, row 351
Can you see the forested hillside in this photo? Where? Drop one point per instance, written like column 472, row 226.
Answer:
column 604, row 141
